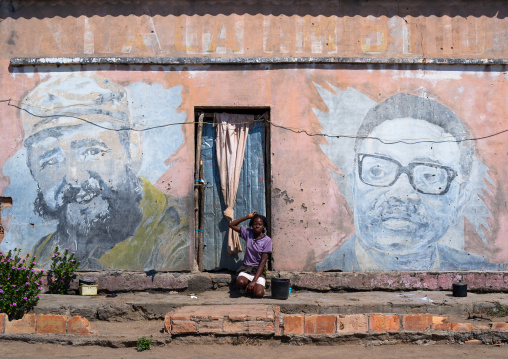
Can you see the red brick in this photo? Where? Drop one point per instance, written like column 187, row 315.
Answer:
column 260, row 327
column 473, row 342
column 270, row 313
column 3, row 319
column 499, row 326
column 217, row 312
column 384, row 322
column 214, row 326
column 167, row 323
column 319, row 324
column 440, row 320
column 442, row 326
column 293, row 324
column 441, row 323
column 236, row 327
column 238, row 317
column 50, row 324
column 251, row 327
column 480, row 326
column 243, row 312
column 25, row 325
column 417, row 321
column 78, row 325
column 276, row 322
column 183, row 327
column 180, row 316
column 461, row 327
column 352, row 323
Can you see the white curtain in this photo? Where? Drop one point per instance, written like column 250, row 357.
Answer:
column 232, row 131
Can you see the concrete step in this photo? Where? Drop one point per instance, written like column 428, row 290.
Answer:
column 227, row 317
column 151, row 306
column 105, row 334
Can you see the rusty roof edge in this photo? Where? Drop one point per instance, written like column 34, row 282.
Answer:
column 32, row 61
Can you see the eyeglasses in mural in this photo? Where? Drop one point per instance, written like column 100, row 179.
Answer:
column 411, row 177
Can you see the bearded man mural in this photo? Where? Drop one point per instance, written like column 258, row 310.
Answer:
column 85, row 155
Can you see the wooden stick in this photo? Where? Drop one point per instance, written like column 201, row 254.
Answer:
column 198, row 188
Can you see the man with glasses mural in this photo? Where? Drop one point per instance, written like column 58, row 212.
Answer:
column 409, row 185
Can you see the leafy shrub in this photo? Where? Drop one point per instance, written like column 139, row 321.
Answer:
column 144, row 344
column 498, row 311
column 20, row 284
column 63, row 267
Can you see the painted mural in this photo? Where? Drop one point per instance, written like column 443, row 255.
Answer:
column 411, row 175
column 422, row 198
column 92, row 151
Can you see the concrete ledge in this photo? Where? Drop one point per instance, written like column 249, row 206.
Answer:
column 480, row 282
column 20, row 61
column 137, row 306
column 45, row 324
column 126, row 281
column 80, row 340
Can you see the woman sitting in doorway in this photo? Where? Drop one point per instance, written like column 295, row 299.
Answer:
column 252, row 274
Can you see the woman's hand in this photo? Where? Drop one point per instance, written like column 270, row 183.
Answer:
column 234, row 223
column 250, row 286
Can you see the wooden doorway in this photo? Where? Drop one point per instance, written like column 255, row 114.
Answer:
column 253, row 190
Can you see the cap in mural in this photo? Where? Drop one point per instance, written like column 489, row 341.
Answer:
column 71, row 100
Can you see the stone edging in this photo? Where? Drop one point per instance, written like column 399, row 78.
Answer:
column 266, row 320
column 476, row 281
column 45, row 324
column 376, row 323
column 125, row 281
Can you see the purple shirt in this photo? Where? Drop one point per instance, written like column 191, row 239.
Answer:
column 255, row 248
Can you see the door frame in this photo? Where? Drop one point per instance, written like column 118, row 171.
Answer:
column 199, row 202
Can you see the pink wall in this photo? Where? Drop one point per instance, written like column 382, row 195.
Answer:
column 311, row 217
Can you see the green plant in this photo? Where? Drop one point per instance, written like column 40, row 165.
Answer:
column 144, row 344
column 63, row 267
column 498, row 311
column 20, row 283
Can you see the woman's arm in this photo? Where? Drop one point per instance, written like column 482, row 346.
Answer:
column 234, row 223
column 264, row 258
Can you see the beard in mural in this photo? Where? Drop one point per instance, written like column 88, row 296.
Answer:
column 85, row 157
column 92, row 216
column 407, row 193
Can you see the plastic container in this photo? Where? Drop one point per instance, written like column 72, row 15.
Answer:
column 88, row 289
column 280, row 288
column 459, row 289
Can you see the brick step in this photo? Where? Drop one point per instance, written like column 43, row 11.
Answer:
column 253, row 323
column 230, row 319
column 268, row 320
column 45, row 324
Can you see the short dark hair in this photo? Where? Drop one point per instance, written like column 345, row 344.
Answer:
column 404, row 105
column 263, row 218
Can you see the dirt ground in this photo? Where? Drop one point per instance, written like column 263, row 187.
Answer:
column 11, row 349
